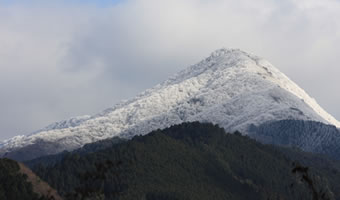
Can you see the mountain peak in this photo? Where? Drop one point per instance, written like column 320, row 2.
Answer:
column 218, row 60
column 231, row 54
column 227, row 51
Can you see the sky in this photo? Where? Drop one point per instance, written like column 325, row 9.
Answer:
column 65, row 58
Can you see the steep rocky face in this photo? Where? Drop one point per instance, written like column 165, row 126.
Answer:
column 19, row 182
column 231, row 88
column 39, row 186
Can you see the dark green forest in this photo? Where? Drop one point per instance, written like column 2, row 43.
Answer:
column 191, row 161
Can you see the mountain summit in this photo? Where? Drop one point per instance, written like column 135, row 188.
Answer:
column 230, row 88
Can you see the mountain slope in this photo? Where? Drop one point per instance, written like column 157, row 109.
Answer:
column 231, row 88
column 308, row 136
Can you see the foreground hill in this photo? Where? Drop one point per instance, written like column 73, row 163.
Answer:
column 19, row 182
column 191, row 161
column 230, row 88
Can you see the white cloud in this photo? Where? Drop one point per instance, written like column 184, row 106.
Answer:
column 58, row 60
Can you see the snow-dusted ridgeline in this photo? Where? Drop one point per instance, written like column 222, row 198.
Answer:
column 231, row 88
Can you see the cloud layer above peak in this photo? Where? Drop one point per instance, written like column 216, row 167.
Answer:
column 60, row 59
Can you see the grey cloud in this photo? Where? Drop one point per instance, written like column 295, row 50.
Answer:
column 66, row 60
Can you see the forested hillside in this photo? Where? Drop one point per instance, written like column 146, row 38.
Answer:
column 188, row 161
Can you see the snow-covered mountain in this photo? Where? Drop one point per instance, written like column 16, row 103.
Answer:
column 231, row 88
